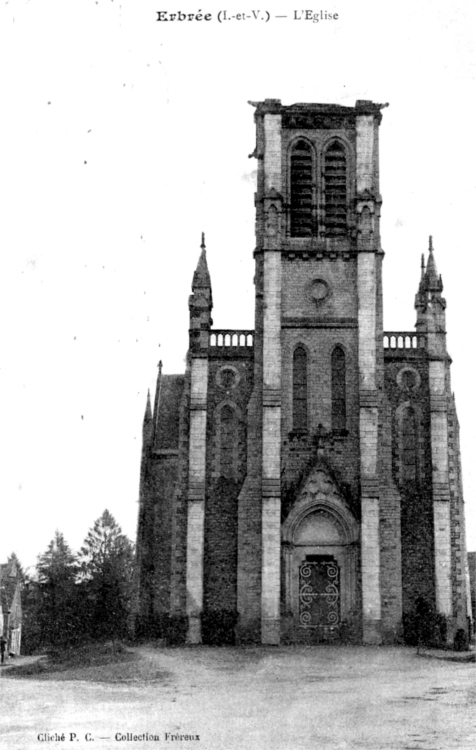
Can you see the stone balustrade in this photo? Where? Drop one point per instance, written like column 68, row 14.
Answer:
column 403, row 341
column 231, row 338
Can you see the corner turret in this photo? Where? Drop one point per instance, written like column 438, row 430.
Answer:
column 431, row 305
column 200, row 305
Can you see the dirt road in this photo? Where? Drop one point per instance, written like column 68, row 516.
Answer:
column 326, row 698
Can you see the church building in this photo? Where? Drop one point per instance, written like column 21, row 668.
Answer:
column 301, row 482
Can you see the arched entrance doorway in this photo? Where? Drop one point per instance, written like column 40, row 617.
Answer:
column 320, row 559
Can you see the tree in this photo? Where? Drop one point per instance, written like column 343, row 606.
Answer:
column 12, row 579
column 106, row 560
column 12, row 574
column 58, row 615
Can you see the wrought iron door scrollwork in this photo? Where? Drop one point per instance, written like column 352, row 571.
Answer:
column 318, row 594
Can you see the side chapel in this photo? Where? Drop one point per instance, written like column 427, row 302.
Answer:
column 301, row 482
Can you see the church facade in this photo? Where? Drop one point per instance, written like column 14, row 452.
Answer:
column 301, row 482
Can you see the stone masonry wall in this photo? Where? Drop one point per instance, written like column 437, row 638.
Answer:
column 179, row 515
column 457, row 521
column 230, row 384
column 390, row 534
column 416, row 504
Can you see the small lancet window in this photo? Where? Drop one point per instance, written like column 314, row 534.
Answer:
column 338, row 389
column 301, row 190
column 335, row 179
column 300, row 389
column 227, row 442
column 409, row 444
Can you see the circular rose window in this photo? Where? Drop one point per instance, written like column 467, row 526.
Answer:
column 227, row 377
column 408, row 379
column 319, row 290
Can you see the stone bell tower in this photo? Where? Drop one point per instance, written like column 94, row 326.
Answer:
column 319, row 326
column 301, row 482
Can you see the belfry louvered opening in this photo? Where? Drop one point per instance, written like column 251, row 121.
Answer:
column 301, row 190
column 335, row 180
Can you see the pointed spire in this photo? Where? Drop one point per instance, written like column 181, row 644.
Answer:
column 431, row 257
column 201, row 277
column 429, row 300
column 432, row 279
column 147, row 425
column 200, row 305
column 157, row 393
column 148, row 409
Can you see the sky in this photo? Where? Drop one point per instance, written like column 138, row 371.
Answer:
column 122, row 139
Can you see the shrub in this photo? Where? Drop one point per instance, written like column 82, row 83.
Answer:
column 424, row 626
column 460, row 642
column 175, row 630
column 218, row 627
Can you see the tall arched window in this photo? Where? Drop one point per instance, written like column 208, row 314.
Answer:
column 227, row 442
column 300, row 389
column 335, row 177
column 409, row 444
column 338, row 389
column 301, row 190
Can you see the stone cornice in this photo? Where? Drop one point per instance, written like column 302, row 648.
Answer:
column 318, row 116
